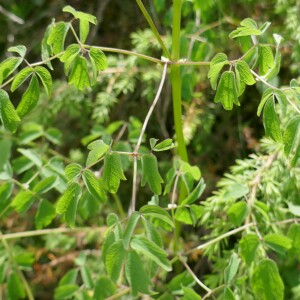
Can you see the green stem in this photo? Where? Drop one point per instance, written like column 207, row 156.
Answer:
column 176, row 81
column 153, row 28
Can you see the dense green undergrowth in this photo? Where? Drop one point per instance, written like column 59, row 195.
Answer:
column 101, row 191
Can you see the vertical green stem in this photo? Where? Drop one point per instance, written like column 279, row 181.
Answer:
column 176, row 81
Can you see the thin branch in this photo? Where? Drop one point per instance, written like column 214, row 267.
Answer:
column 11, row 16
column 153, row 28
column 200, row 283
column 134, row 186
column 119, row 294
column 152, row 107
column 18, row 235
column 220, row 237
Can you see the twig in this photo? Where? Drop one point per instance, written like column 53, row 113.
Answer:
column 220, row 237
column 11, row 16
column 200, row 283
column 152, row 108
column 118, row 295
column 17, row 235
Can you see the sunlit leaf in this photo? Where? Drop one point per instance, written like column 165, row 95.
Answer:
column 21, row 77
column 248, row 246
column 72, row 192
column 57, row 36
column 44, row 215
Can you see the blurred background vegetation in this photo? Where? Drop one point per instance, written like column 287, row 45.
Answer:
column 215, row 138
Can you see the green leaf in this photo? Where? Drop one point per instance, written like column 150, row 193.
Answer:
column 195, row 194
column 8, row 114
column 265, row 59
column 294, row 209
column 152, row 251
column 249, row 27
column 132, row 222
column 22, row 201
column 291, row 140
column 79, row 76
column 21, row 77
column 20, row 49
column 93, row 185
column 227, row 91
column 30, row 97
column 73, row 171
column 45, row 48
column 113, row 172
column 114, row 259
column 53, row 135
column 194, row 171
column 183, row 215
column 266, row 282
column 265, row 97
column 182, row 279
column 164, row 145
column 44, row 215
column 73, row 191
column 70, row 10
column 84, row 28
column 8, row 66
column 80, row 15
column 245, row 73
column 97, row 149
column 136, row 276
column 69, row 55
column 57, row 36
column 65, row 291
column 151, row 174
column 6, row 149
column 32, row 156
column 271, row 121
column 112, row 219
column 101, row 293
column 189, row 294
column 15, row 289
column 69, row 278
column 153, row 142
column 248, row 246
column 277, row 242
column 232, row 268
column 152, row 233
column 45, row 185
column 216, row 65
column 169, row 180
column 86, row 277
column 158, row 213
column 70, row 215
column 228, row 294
column 238, row 212
column 45, row 78
column 98, row 59
column 294, row 235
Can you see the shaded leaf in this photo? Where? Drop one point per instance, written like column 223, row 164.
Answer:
column 113, row 171
column 45, row 78
column 72, row 192
column 152, row 251
column 30, row 97
column 155, row 211
column 195, row 194
column 79, row 76
column 265, row 97
column 45, row 185
column 271, row 121
column 114, row 258
column 8, row 114
column 151, row 174
column 44, row 215
column 93, row 185
column 21, row 77
column 278, row 242
column 136, row 276
column 248, row 246
column 266, row 282
column 227, row 91
column 65, row 291
column 216, row 65
column 57, row 36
